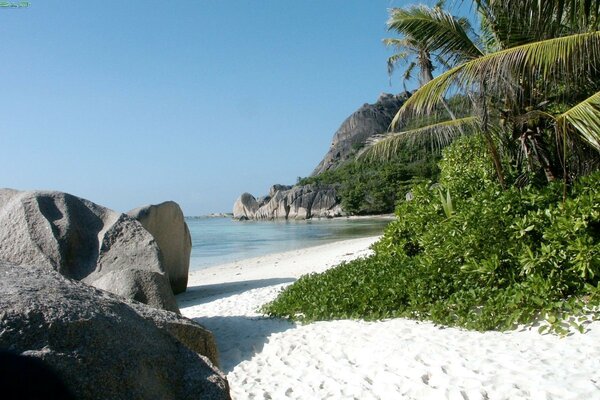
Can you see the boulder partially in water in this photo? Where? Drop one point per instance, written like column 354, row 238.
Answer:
column 245, row 207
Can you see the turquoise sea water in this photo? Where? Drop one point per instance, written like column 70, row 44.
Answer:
column 221, row 240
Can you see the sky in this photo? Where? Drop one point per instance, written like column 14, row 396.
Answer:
column 128, row 103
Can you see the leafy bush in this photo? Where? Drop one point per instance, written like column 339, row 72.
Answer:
column 501, row 257
column 376, row 187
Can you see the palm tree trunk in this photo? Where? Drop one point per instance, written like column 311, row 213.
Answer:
column 489, row 140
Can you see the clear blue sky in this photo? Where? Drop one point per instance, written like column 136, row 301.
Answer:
column 134, row 102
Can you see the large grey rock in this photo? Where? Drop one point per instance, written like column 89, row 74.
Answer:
column 245, row 207
column 102, row 347
column 147, row 287
column 197, row 338
column 367, row 121
column 166, row 224
column 77, row 238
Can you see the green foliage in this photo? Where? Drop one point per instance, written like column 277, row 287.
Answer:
column 376, row 187
column 502, row 258
column 466, row 167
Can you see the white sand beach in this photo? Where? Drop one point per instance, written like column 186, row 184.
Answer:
column 268, row 358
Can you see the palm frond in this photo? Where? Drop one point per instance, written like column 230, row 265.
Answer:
column 561, row 58
column 584, row 118
column 438, row 29
column 437, row 136
column 395, row 59
column 400, row 43
column 516, row 22
column 408, row 73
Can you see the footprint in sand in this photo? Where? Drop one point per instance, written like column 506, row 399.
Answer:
column 425, row 378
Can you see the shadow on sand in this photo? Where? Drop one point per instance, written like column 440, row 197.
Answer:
column 239, row 338
column 195, row 295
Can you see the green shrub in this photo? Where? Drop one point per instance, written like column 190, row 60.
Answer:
column 500, row 258
column 376, row 187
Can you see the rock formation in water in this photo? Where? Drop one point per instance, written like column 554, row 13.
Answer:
column 287, row 202
column 166, row 224
column 245, row 207
column 84, row 241
column 102, row 346
column 366, row 122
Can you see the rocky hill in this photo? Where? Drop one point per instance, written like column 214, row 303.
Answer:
column 367, row 121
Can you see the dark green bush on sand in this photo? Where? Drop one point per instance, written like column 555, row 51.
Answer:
column 491, row 259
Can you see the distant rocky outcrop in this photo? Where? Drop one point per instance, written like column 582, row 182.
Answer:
column 245, row 207
column 289, row 202
column 166, row 224
column 369, row 120
column 83, row 241
column 102, row 346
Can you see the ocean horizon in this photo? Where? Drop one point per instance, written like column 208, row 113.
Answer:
column 221, row 240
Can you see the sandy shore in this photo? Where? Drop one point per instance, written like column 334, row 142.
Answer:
column 394, row 359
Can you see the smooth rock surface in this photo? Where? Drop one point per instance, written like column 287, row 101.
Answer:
column 245, row 207
column 78, row 238
column 102, row 347
column 166, row 224
column 148, row 287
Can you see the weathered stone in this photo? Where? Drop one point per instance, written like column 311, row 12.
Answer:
column 102, row 347
column 166, row 224
column 147, row 287
column 275, row 208
column 194, row 336
column 367, row 121
column 278, row 188
column 300, row 202
column 79, row 239
column 245, row 207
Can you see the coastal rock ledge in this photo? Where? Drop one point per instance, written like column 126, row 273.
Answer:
column 289, row 202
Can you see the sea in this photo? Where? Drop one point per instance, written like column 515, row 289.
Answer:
column 220, row 240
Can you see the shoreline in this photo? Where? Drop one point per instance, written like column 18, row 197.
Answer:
column 278, row 265
column 395, row 358
column 389, row 216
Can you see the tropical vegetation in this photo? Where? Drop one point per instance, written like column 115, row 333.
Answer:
column 510, row 233
column 375, row 186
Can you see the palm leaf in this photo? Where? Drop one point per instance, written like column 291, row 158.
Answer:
column 437, row 29
column 585, row 119
column 395, row 59
column 561, row 58
column 516, row 22
column 436, row 135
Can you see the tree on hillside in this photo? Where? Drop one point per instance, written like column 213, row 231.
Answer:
column 533, row 86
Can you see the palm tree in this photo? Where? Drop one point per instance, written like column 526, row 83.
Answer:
column 418, row 50
column 540, row 58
